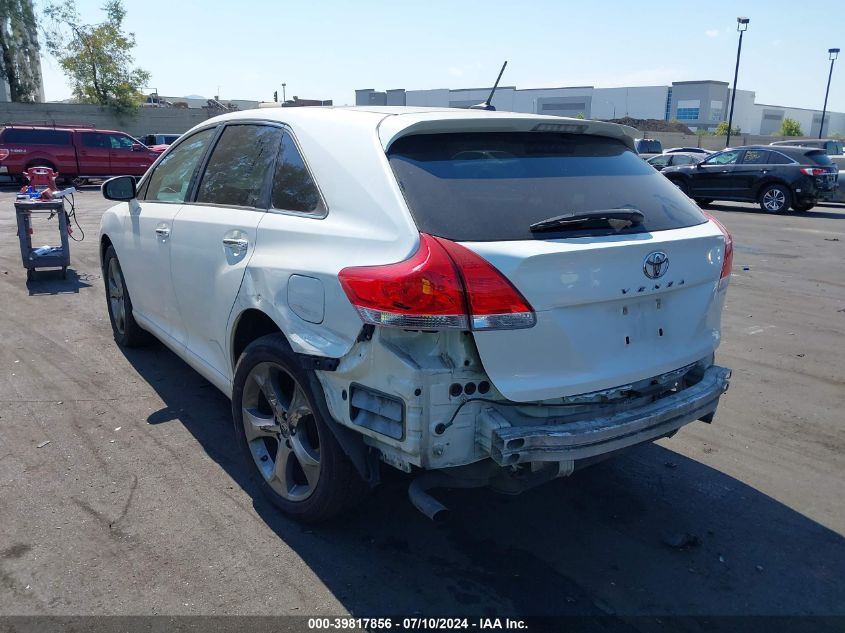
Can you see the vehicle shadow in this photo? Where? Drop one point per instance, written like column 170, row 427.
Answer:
column 815, row 212
column 649, row 532
column 50, row 282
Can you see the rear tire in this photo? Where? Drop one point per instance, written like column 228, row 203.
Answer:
column 126, row 330
column 293, row 455
column 704, row 202
column 775, row 199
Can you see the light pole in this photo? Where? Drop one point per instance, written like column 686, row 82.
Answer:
column 834, row 53
column 741, row 26
column 283, row 93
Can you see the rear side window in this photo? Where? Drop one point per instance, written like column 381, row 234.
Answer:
column 171, row 179
column 95, row 139
column 239, row 165
column 293, row 187
column 649, row 146
column 819, row 158
column 776, row 158
column 755, row 157
column 36, row 137
column 491, row 186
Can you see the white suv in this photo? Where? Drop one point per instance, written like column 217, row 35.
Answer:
column 500, row 298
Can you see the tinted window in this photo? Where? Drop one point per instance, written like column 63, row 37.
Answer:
column 239, row 165
column 776, row 158
column 95, row 139
column 36, row 137
column 755, row 157
column 492, row 186
column 171, row 180
column 649, row 146
column 724, row 158
column 293, row 187
column 819, row 158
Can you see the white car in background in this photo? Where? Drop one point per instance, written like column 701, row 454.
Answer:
column 486, row 297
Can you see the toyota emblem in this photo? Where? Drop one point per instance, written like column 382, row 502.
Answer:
column 656, row 264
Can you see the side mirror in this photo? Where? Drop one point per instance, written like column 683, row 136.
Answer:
column 137, row 147
column 121, row 188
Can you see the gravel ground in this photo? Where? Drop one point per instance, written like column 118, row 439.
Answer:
column 121, row 491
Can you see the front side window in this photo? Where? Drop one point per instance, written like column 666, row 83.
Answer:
column 491, row 186
column 239, row 165
column 724, row 158
column 683, row 159
column 659, row 161
column 755, row 157
column 119, row 141
column 171, row 180
column 293, row 187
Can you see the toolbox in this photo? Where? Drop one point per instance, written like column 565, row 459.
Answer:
column 45, row 256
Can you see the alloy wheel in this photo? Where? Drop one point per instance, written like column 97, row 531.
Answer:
column 774, row 199
column 281, row 431
column 116, row 295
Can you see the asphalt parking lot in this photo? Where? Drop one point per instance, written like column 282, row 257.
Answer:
column 140, row 504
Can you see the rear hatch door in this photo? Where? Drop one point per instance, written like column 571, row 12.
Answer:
column 613, row 305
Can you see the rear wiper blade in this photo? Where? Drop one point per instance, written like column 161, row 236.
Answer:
column 614, row 218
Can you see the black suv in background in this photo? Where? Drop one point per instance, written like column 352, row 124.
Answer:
column 776, row 177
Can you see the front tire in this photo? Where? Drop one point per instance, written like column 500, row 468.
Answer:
column 126, row 330
column 775, row 199
column 292, row 453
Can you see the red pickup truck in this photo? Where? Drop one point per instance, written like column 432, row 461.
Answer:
column 73, row 152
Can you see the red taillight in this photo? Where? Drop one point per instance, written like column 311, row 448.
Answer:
column 728, row 259
column 813, row 171
column 442, row 286
column 4, row 154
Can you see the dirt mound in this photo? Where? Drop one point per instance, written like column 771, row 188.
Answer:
column 654, row 125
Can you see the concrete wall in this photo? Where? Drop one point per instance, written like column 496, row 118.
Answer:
column 145, row 120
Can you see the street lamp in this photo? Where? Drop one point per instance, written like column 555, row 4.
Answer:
column 833, row 53
column 741, row 26
column 283, row 93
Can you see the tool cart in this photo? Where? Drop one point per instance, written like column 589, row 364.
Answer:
column 45, row 256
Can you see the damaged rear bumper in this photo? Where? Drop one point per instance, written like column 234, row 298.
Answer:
column 590, row 438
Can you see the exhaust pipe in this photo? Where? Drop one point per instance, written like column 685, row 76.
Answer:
column 428, row 505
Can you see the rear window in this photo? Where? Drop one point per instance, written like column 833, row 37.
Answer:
column 491, row 186
column 819, row 157
column 36, row 137
column 649, row 146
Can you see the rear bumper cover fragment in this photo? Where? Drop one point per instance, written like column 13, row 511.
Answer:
column 581, row 440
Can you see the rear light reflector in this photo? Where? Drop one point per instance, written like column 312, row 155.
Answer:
column 443, row 286
column 4, row 154
column 813, row 171
column 728, row 259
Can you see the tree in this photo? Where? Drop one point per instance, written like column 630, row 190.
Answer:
column 97, row 58
column 20, row 65
column 722, row 129
column 790, row 127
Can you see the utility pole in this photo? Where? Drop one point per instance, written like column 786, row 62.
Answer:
column 834, row 53
column 741, row 26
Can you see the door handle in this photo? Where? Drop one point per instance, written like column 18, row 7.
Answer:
column 163, row 231
column 235, row 243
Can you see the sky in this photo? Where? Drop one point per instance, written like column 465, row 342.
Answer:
column 326, row 49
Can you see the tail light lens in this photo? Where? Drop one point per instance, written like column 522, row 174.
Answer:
column 813, row 171
column 4, row 154
column 728, row 259
column 442, row 286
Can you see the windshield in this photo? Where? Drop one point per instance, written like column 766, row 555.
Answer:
column 492, row 186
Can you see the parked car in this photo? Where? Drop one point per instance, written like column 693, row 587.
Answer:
column 73, row 152
column 473, row 297
column 676, row 158
column 648, row 147
column 777, row 179
column 151, row 140
column 688, row 150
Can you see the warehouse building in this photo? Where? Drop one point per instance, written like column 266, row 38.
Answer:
column 698, row 104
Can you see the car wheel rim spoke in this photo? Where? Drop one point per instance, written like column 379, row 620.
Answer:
column 116, row 295
column 281, row 431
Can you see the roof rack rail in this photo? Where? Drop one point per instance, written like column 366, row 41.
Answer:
column 48, row 123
